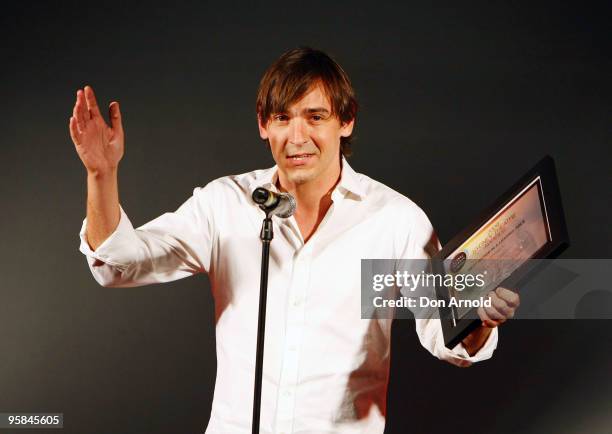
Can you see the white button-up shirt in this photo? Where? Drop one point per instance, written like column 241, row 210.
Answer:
column 325, row 368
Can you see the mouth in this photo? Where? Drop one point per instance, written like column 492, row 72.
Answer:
column 299, row 159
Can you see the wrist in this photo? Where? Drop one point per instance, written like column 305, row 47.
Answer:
column 102, row 174
column 475, row 340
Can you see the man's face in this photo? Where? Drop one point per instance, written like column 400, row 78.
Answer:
column 305, row 140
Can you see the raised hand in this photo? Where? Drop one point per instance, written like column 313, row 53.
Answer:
column 99, row 145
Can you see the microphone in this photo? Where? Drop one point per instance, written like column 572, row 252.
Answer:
column 279, row 204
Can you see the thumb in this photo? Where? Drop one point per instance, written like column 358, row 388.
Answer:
column 114, row 114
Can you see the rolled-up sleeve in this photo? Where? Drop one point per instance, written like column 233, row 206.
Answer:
column 172, row 246
column 431, row 337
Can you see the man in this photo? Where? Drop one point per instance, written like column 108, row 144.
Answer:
column 325, row 370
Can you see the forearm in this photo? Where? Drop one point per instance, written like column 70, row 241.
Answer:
column 103, row 213
column 475, row 340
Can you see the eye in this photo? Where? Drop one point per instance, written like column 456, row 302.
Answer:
column 318, row 117
column 281, row 118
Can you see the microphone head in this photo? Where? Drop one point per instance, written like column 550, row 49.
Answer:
column 286, row 207
column 282, row 205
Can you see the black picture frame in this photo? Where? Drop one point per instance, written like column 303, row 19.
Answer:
column 544, row 175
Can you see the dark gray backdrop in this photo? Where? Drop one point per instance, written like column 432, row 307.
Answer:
column 457, row 101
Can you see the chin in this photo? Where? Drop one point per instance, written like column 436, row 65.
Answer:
column 301, row 176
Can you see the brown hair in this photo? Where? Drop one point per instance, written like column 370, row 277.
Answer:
column 289, row 78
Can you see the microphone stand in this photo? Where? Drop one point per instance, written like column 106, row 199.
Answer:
column 266, row 236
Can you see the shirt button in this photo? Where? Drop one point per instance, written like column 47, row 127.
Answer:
column 287, row 393
column 292, row 348
column 297, row 302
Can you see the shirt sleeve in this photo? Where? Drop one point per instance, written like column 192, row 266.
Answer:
column 422, row 244
column 172, row 246
column 430, row 336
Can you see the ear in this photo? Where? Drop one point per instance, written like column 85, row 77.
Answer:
column 263, row 131
column 346, row 129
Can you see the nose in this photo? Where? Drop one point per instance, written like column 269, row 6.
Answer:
column 297, row 131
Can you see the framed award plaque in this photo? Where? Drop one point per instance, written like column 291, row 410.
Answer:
column 525, row 223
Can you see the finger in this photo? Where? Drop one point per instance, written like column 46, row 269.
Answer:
column 82, row 106
column 114, row 113
column 92, row 104
column 486, row 320
column 502, row 307
column 490, row 323
column 74, row 132
column 75, row 117
column 78, row 119
column 80, row 111
column 492, row 312
column 510, row 297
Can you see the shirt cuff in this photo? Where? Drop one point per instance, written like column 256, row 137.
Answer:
column 105, row 251
column 461, row 357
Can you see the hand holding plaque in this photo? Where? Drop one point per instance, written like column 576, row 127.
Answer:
column 527, row 222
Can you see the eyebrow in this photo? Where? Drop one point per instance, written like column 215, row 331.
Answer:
column 312, row 110
column 317, row 110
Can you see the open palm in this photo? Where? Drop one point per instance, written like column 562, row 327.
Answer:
column 99, row 145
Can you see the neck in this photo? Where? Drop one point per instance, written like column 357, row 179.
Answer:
column 310, row 195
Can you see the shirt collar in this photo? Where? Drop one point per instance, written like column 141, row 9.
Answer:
column 349, row 180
